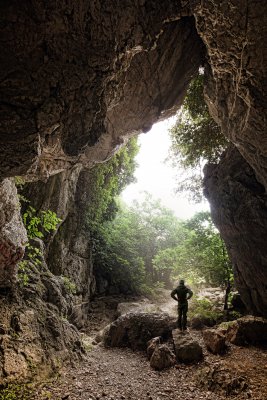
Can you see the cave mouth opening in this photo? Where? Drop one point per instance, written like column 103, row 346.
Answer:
column 156, row 175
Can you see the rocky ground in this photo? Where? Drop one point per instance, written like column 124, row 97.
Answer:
column 120, row 373
column 116, row 374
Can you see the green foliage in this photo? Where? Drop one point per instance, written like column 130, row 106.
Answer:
column 196, row 139
column 69, row 285
column 19, row 181
column 107, row 182
column 203, row 308
column 16, row 391
column 146, row 245
column 131, row 241
column 203, row 251
column 37, row 226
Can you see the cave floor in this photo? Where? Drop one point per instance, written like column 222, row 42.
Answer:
column 116, row 374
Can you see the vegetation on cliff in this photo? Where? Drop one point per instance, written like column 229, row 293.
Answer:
column 196, row 139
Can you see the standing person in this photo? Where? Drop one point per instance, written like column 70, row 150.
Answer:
column 182, row 294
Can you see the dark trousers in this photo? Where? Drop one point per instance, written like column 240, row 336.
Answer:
column 182, row 315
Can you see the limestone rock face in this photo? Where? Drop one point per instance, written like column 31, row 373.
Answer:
column 187, row 350
column 13, row 235
column 136, row 329
column 35, row 335
column 78, row 77
column 68, row 252
column 239, row 210
column 234, row 34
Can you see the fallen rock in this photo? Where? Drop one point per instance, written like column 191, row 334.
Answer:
column 247, row 330
column 214, row 340
column 162, row 357
column 187, row 350
column 218, row 378
column 136, row 329
column 151, row 346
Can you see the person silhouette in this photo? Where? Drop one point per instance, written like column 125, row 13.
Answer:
column 182, row 294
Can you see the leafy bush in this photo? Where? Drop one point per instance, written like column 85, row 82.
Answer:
column 205, row 309
column 37, row 225
column 16, row 391
column 69, row 285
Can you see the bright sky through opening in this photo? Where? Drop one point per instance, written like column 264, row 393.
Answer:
column 156, row 177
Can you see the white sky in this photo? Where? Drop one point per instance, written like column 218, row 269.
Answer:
column 156, row 177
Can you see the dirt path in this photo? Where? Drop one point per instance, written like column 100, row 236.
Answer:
column 121, row 374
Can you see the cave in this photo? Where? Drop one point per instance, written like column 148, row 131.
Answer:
column 78, row 79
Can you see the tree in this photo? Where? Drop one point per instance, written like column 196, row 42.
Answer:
column 107, row 182
column 204, row 251
column 196, row 139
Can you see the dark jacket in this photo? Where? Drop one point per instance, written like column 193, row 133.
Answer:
column 181, row 294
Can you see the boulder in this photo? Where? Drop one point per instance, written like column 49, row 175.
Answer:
column 136, row 329
column 187, row 350
column 151, row 346
column 214, row 340
column 162, row 357
column 247, row 330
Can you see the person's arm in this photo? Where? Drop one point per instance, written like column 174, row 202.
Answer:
column 190, row 294
column 173, row 293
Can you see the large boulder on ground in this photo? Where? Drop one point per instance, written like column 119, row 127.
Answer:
column 162, row 357
column 136, row 329
column 247, row 330
column 214, row 340
column 187, row 350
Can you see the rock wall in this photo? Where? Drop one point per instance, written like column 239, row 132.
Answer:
column 239, row 209
column 36, row 337
column 13, row 235
column 78, row 76
column 68, row 251
column 234, row 33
